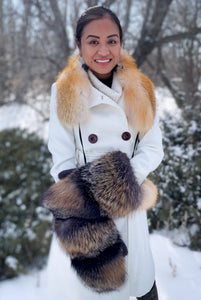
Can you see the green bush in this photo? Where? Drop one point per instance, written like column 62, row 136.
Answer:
column 25, row 230
column 178, row 180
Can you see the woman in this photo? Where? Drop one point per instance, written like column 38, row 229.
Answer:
column 100, row 104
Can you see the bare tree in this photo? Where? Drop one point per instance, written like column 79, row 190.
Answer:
column 156, row 12
column 3, row 63
column 49, row 14
column 179, row 59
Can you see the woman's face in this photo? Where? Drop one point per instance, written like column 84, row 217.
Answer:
column 100, row 46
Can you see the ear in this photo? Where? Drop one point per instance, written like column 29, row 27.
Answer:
column 78, row 45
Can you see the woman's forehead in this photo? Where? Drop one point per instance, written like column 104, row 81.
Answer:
column 105, row 26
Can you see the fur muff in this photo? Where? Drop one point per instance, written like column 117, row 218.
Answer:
column 84, row 203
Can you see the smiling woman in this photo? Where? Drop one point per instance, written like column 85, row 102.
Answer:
column 105, row 139
column 100, row 46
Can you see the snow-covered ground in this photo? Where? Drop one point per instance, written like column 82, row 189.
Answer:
column 178, row 276
column 178, row 270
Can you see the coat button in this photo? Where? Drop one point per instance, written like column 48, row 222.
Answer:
column 93, row 138
column 126, row 136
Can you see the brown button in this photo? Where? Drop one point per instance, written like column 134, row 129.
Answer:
column 93, row 138
column 126, row 136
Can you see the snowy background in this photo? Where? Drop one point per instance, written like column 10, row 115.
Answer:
column 178, row 269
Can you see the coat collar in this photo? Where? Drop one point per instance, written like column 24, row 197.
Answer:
column 113, row 93
column 74, row 90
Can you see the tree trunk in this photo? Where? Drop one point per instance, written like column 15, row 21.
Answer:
column 155, row 14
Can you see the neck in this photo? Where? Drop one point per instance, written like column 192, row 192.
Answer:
column 107, row 81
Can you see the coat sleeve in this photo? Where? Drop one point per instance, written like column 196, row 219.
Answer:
column 61, row 141
column 149, row 152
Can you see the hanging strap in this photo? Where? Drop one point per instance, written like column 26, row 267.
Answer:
column 80, row 135
column 135, row 144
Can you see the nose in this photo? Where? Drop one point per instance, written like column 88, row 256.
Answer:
column 103, row 50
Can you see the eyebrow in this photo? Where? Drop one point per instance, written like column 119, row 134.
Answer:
column 97, row 37
column 109, row 36
column 94, row 36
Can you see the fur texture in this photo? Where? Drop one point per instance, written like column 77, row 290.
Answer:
column 104, row 273
column 105, row 187
column 86, row 238
column 70, row 198
column 73, row 92
column 113, row 184
column 149, row 195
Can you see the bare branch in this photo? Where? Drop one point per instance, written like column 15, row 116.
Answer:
column 127, row 15
column 179, row 36
column 91, row 3
column 108, row 3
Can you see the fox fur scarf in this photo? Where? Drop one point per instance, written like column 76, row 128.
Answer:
column 74, row 88
column 84, row 204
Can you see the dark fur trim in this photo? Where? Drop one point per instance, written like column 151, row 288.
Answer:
column 105, row 272
column 65, row 173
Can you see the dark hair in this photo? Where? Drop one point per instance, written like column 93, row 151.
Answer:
column 94, row 13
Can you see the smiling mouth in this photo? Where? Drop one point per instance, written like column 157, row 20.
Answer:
column 102, row 61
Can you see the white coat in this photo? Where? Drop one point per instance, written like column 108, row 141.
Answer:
column 107, row 120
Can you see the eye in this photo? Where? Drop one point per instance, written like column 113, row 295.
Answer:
column 93, row 42
column 112, row 42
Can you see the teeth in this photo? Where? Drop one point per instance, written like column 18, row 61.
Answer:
column 102, row 61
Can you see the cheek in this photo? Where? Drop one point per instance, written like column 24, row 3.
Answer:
column 116, row 51
column 117, row 54
column 88, row 55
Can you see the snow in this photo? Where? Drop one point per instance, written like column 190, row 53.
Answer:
column 11, row 262
column 22, row 116
column 178, row 275
column 178, row 270
column 166, row 103
column 199, row 203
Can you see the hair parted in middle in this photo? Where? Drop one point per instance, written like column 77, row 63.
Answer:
column 95, row 13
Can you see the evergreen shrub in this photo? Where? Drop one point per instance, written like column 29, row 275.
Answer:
column 25, row 230
column 178, row 180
